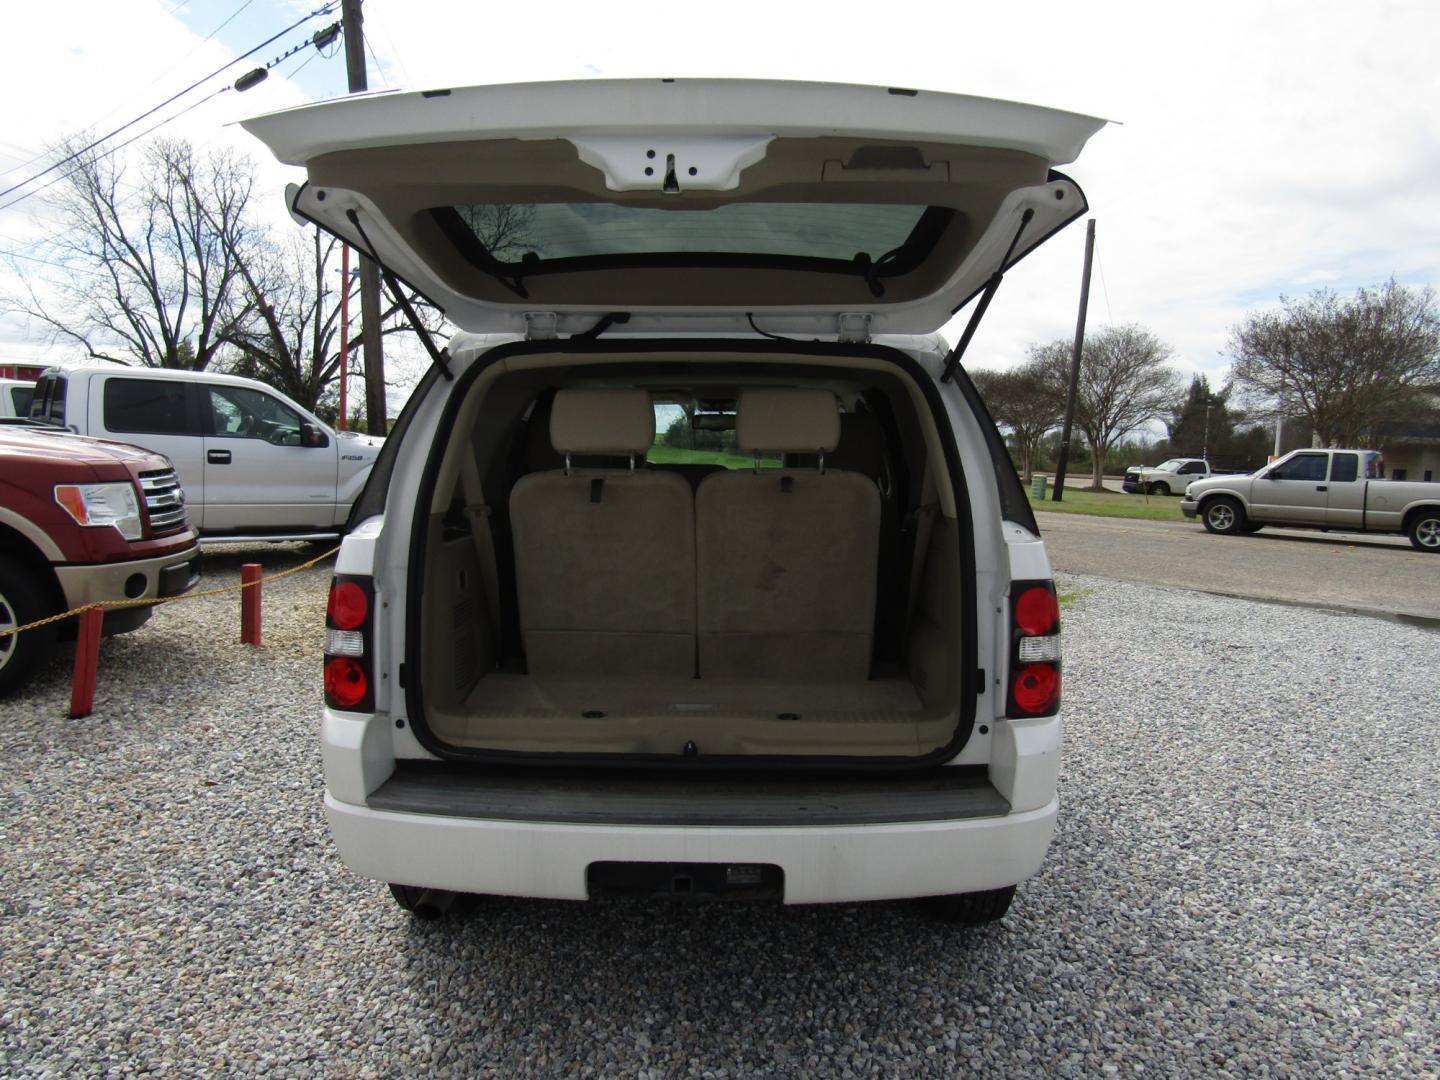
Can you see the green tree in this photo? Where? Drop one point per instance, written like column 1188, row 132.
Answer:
column 1201, row 425
column 1125, row 382
column 1346, row 365
column 1024, row 403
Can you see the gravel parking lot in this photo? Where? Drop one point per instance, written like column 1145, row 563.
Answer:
column 1245, row 882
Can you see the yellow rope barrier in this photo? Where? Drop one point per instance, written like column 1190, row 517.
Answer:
column 108, row 604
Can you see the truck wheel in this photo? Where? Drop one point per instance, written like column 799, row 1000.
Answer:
column 971, row 909
column 1159, row 489
column 22, row 600
column 1224, row 516
column 1425, row 530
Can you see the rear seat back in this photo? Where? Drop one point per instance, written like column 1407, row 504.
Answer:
column 605, row 557
column 786, row 558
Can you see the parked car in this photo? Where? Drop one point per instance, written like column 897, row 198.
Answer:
column 822, row 667
column 15, row 397
column 1169, row 477
column 1320, row 489
column 254, row 464
column 83, row 521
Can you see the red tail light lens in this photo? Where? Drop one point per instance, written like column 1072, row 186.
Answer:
column 346, row 684
column 349, row 605
column 1037, row 689
column 1034, row 650
column 1037, row 612
column 349, row 655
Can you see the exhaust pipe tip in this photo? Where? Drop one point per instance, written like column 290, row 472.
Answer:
column 433, row 903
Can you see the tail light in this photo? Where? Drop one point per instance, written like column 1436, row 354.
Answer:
column 1034, row 650
column 349, row 645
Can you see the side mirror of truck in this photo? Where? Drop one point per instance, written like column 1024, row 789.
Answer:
column 312, row 436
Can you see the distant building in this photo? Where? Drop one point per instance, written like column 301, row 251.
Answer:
column 1412, row 450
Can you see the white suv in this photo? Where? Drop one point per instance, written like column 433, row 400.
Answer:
column 694, row 565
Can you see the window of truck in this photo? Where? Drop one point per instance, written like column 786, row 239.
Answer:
column 1344, row 468
column 241, row 413
column 147, row 406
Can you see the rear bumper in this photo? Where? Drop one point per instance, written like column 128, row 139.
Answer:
column 821, row 864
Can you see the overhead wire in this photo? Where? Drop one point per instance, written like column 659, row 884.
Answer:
column 116, row 149
column 327, row 9
column 1099, row 265
column 40, row 155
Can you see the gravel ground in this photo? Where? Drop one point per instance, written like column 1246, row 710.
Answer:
column 1244, row 883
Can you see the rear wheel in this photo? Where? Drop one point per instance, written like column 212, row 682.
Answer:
column 1159, row 489
column 407, row 896
column 971, row 909
column 22, row 600
column 1425, row 530
column 1224, row 516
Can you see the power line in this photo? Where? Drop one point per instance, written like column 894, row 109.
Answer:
column 327, row 9
column 120, row 104
column 114, row 149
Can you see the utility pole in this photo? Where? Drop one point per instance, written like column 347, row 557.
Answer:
column 1059, row 494
column 371, row 345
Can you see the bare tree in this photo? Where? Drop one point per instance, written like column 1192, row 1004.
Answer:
column 292, row 339
column 1025, row 402
column 503, row 228
column 1346, row 365
column 1125, row 382
column 149, row 274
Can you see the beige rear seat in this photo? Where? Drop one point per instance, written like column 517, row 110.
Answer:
column 605, row 557
column 787, row 557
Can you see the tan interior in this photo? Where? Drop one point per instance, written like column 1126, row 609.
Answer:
column 738, row 620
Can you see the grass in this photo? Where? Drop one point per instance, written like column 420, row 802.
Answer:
column 672, row 455
column 1112, row 504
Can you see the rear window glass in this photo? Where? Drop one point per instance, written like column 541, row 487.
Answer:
column 1344, row 468
column 48, row 404
column 149, row 406
column 686, row 435
column 20, row 399
column 835, row 232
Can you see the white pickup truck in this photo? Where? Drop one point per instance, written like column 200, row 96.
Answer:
column 254, row 465
column 15, row 397
column 1320, row 489
column 1169, row 477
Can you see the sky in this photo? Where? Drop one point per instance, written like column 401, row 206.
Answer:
column 1258, row 149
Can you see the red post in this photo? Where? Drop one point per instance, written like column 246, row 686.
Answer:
column 250, row 604
column 87, row 662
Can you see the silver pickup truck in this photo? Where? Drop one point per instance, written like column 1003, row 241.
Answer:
column 1320, row 489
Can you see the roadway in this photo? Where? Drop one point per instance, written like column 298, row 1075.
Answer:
column 1375, row 575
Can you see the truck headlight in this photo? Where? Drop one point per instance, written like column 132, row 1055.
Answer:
column 103, row 504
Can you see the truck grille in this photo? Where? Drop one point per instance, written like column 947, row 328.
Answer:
column 164, row 501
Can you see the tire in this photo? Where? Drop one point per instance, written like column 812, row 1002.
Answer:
column 23, row 600
column 971, row 909
column 407, row 896
column 1159, row 489
column 1224, row 516
column 1424, row 530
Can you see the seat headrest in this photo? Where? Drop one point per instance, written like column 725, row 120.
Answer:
column 618, row 421
column 787, row 421
column 861, row 448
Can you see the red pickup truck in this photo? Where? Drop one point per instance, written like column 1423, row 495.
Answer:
column 83, row 520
